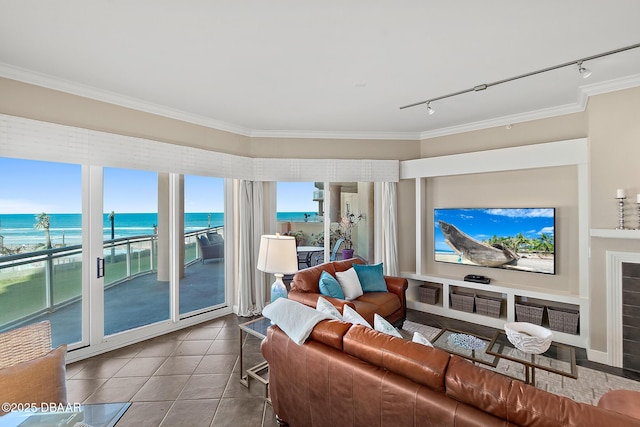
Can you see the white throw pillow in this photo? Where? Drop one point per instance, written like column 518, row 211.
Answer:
column 350, row 283
column 295, row 319
column 352, row 316
column 421, row 339
column 381, row 324
column 324, row 306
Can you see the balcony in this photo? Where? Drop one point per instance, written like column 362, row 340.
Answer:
column 47, row 285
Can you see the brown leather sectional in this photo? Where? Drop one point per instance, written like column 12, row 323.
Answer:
column 349, row 375
column 392, row 305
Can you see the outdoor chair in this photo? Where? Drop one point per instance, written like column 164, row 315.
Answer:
column 211, row 246
column 30, row 371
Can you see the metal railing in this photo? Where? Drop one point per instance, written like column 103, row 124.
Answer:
column 33, row 283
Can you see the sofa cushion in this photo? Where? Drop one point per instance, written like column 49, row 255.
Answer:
column 41, row 380
column 295, row 319
column 352, row 316
column 349, row 283
column 324, row 306
column 308, row 279
column 421, row 339
column 329, row 286
column 385, row 303
column 423, row 365
column 371, row 277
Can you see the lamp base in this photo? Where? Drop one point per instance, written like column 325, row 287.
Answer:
column 278, row 289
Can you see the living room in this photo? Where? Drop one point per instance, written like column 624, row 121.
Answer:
column 598, row 147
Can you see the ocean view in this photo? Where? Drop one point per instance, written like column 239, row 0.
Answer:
column 18, row 229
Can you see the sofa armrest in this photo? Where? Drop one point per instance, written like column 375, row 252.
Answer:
column 311, row 299
column 398, row 286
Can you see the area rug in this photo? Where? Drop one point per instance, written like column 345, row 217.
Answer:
column 587, row 388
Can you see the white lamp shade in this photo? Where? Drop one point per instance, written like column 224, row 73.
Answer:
column 278, row 254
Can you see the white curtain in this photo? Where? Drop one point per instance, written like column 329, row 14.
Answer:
column 390, row 227
column 251, row 282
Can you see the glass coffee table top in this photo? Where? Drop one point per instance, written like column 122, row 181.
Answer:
column 469, row 346
column 559, row 359
column 94, row 415
column 257, row 328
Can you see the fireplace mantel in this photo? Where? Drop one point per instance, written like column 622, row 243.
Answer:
column 608, row 233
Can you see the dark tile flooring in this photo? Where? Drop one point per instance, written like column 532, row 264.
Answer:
column 191, row 377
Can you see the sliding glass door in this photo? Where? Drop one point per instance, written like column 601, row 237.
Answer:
column 41, row 247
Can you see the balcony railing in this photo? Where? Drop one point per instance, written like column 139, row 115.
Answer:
column 42, row 281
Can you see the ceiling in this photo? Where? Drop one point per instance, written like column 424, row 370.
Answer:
column 328, row 68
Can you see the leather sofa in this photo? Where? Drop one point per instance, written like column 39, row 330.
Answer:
column 349, row 375
column 391, row 305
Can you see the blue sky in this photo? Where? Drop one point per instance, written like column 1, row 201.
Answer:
column 56, row 188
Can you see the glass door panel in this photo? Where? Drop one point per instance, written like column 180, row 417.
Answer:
column 202, row 285
column 135, row 293
column 41, row 247
column 351, row 219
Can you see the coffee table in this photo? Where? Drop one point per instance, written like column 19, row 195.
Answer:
column 559, row 359
column 461, row 344
column 95, row 415
column 259, row 372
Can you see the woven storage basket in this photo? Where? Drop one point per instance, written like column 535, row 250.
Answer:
column 488, row 306
column 527, row 312
column 462, row 301
column 563, row 320
column 428, row 294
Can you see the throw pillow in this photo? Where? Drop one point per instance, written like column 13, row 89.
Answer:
column 371, row 277
column 349, row 283
column 324, row 306
column 295, row 319
column 421, row 339
column 352, row 316
column 381, row 324
column 329, row 286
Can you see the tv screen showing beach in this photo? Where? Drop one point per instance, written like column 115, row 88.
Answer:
column 511, row 238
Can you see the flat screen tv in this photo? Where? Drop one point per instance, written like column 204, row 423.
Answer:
column 507, row 238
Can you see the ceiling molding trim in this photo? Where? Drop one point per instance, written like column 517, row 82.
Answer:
column 310, row 134
column 546, row 113
column 73, row 88
column 611, row 85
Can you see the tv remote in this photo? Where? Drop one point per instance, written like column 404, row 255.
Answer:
column 477, row 279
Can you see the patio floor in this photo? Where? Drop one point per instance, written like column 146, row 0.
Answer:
column 143, row 300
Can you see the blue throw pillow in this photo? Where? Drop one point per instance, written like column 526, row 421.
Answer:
column 371, row 277
column 330, row 287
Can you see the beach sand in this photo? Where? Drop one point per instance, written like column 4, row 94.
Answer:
column 531, row 263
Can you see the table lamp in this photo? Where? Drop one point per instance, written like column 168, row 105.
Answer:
column 278, row 255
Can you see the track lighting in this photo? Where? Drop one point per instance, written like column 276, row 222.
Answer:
column 429, row 109
column 584, row 72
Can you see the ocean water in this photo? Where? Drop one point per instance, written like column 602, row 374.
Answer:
column 18, row 229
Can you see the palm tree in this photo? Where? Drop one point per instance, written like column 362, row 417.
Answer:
column 42, row 223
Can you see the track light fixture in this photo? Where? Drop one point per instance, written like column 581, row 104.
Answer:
column 429, row 109
column 584, row 72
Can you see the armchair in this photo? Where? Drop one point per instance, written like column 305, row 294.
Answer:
column 30, row 371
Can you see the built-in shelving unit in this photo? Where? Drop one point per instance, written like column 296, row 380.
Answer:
column 608, row 233
column 510, row 297
column 561, row 153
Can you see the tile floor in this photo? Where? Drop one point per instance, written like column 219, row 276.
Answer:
column 191, row 377
column 185, row 378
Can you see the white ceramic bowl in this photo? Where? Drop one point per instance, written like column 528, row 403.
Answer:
column 528, row 337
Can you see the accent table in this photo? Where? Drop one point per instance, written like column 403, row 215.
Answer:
column 559, row 358
column 260, row 372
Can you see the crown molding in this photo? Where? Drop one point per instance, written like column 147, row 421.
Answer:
column 74, row 88
column 310, row 134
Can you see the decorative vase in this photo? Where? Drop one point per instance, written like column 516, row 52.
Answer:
column 347, row 253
